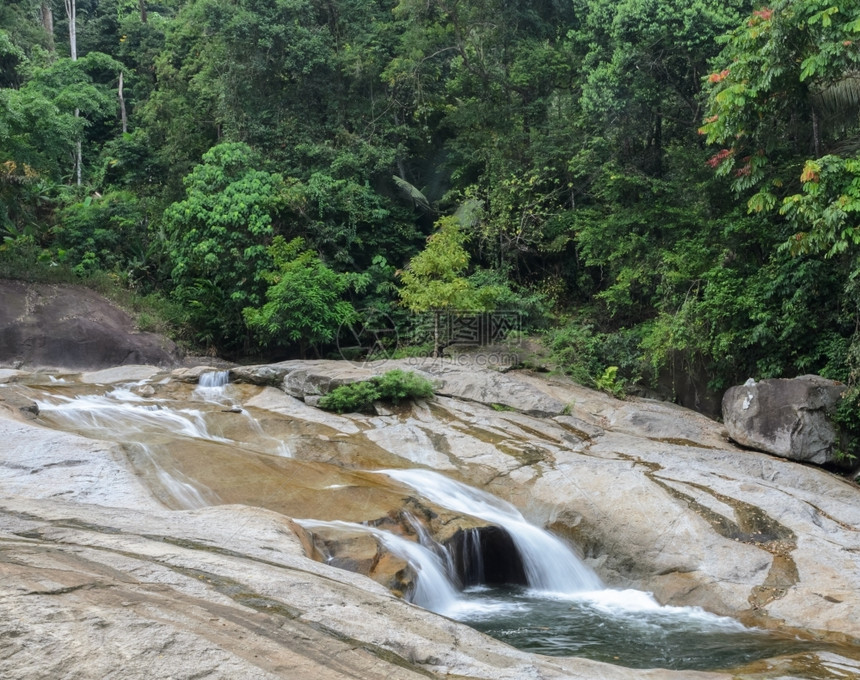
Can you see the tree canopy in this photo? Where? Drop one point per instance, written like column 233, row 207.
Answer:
column 661, row 186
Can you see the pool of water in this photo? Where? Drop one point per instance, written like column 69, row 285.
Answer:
column 622, row 627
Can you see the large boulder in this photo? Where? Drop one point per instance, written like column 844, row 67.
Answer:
column 71, row 327
column 785, row 417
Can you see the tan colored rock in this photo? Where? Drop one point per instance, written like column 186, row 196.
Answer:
column 120, row 374
column 88, row 591
column 738, row 533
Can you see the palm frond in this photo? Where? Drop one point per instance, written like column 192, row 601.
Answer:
column 413, row 192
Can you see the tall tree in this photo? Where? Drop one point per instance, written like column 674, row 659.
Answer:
column 71, row 16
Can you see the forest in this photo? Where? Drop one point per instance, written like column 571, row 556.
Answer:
column 655, row 187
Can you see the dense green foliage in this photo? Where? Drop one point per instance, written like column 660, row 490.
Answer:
column 304, row 300
column 665, row 186
column 392, row 387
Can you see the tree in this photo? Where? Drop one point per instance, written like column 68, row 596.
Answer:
column 434, row 280
column 218, row 238
column 71, row 15
column 304, row 301
column 785, row 89
column 782, row 106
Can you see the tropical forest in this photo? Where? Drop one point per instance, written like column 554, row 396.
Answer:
column 657, row 188
column 447, row 339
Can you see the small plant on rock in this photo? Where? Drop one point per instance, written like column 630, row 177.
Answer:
column 394, row 386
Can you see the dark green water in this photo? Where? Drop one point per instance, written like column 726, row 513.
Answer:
column 626, row 628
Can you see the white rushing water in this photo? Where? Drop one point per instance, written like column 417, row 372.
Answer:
column 550, row 565
column 434, row 589
column 212, row 386
column 122, row 415
column 553, row 571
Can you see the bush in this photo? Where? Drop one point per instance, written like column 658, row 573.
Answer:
column 394, row 386
column 609, row 361
column 397, row 385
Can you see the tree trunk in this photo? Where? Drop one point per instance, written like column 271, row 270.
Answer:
column 78, row 155
column 48, row 22
column 122, row 106
column 816, row 136
column 143, row 11
column 71, row 13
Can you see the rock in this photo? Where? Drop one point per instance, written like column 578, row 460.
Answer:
column 652, row 496
column 10, row 375
column 318, row 378
column 303, row 379
column 785, row 417
column 18, row 404
column 120, row 374
column 224, row 593
column 192, row 374
column 266, row 374
column 357, row 551
column 72, row 327
column 490, row 387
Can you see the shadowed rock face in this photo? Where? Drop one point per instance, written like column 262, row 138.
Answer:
column 73, row 328
column 785, row 417
column 486, row 556
column 653, row 496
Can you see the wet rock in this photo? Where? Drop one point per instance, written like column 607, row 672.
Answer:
column 223, row 592
column 120, row 374
column 18, row 404
column 785, row 417
column 358, row 551
column 659, row 501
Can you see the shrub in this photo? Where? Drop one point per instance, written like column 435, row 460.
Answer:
column 394, row 386
column 354, row 397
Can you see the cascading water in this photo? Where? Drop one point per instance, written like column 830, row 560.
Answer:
column 124, row 415
column 564, row 608
column 212, row 386
column 473, row 572
column 433, row 588
column 549, row 564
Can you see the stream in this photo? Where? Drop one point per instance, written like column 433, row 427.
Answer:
column 562, row 608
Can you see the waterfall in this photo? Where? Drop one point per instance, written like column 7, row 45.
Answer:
column 433, row 587
column 550, row 565
column 214, row 379
column 212, row 386
column 473, row 572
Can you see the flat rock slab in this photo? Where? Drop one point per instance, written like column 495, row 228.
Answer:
column 223, row 593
